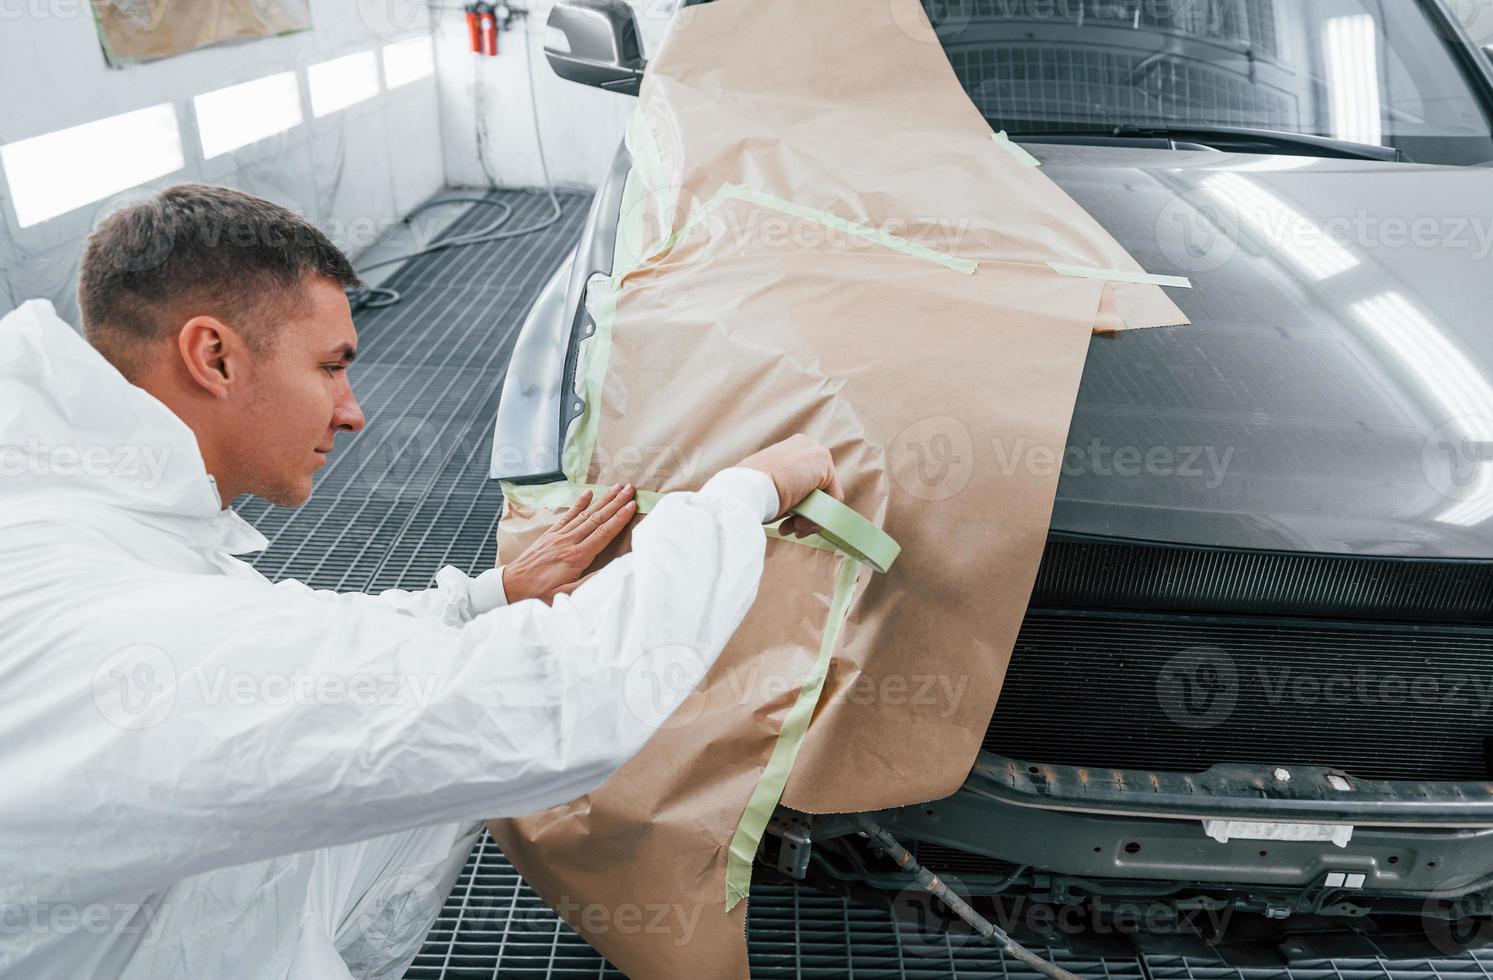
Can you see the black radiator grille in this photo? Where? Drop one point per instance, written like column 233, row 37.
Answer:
column 1181, row 694
column 951, row 861
column 1124, row 575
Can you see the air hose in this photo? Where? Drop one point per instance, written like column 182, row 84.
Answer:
column 373, row 297
column 885, row 843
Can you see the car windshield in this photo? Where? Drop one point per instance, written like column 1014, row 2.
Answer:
column 1375, row 72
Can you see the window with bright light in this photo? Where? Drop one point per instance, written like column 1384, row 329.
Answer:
column 408, row 61
column 1352, row 55
column 1374, row 72
column 57, row 172
column 342, row 82
column 238, row 115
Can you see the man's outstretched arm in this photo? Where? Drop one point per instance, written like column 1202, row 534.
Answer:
column 294, row 723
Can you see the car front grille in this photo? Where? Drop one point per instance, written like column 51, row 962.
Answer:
column 1182, row 694
column 1174, row 659
column 1100, row 574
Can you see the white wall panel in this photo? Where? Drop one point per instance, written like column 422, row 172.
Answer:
column 361, row 167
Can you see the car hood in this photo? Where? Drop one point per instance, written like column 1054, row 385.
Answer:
column 1335, row 390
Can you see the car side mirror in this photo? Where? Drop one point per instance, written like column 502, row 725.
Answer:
column 600, row 44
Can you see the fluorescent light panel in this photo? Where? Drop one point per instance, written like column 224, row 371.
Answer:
column 1275, row 223
column 238, row 115
column 1440, row 366
column 342, row 82
column 408, row 61
column 1353, row 77
column 60, row 171
column 1446, row 373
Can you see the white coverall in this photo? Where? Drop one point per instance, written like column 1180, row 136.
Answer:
column 206, row 775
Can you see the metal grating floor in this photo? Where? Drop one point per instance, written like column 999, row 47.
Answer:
column 410, row 494
column 494, row 926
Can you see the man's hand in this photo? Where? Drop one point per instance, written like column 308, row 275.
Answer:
column 798, row 466
column 554, row 562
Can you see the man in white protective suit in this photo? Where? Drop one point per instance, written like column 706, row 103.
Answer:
column 205, row 775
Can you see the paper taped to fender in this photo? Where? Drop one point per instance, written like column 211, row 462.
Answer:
column 819, row 235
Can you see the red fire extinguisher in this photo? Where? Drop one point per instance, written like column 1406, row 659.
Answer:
column 487, row 15
column 482, row 28
column 474, row 29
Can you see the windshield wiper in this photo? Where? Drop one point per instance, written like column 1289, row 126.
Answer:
column 1236, row 138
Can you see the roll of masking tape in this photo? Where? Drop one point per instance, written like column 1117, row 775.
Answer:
column 848, row 531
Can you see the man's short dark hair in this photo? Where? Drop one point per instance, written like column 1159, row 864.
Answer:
column 196, row 250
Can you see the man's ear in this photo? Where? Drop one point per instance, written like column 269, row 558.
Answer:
column 213, row 354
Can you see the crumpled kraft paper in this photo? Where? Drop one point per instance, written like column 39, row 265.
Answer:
column 820, row 235
column 142, row 30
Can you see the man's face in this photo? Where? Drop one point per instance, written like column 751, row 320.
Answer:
column 302, row 397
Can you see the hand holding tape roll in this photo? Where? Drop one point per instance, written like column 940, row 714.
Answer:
column 801, row 469
column 848, row 531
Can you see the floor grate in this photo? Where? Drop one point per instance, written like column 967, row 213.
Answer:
column 410, row 494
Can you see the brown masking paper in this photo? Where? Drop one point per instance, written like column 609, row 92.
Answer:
column 821, row 236
column 143, row 30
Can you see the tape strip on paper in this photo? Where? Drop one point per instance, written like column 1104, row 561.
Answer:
column 596, row 351
column 601, row 302
column 1015, row 149
column 1120, row 275
column 647, row 172
column 737, row 192
column 628, row 248
column 769, row 789
column 863, row 232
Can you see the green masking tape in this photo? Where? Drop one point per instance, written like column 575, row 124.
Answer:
column 1120, row 275
column 1015, row 149
column 774, row 778
column 848, row 531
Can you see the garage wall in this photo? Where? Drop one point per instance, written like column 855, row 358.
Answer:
column 354, row 172
column 581, row 126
